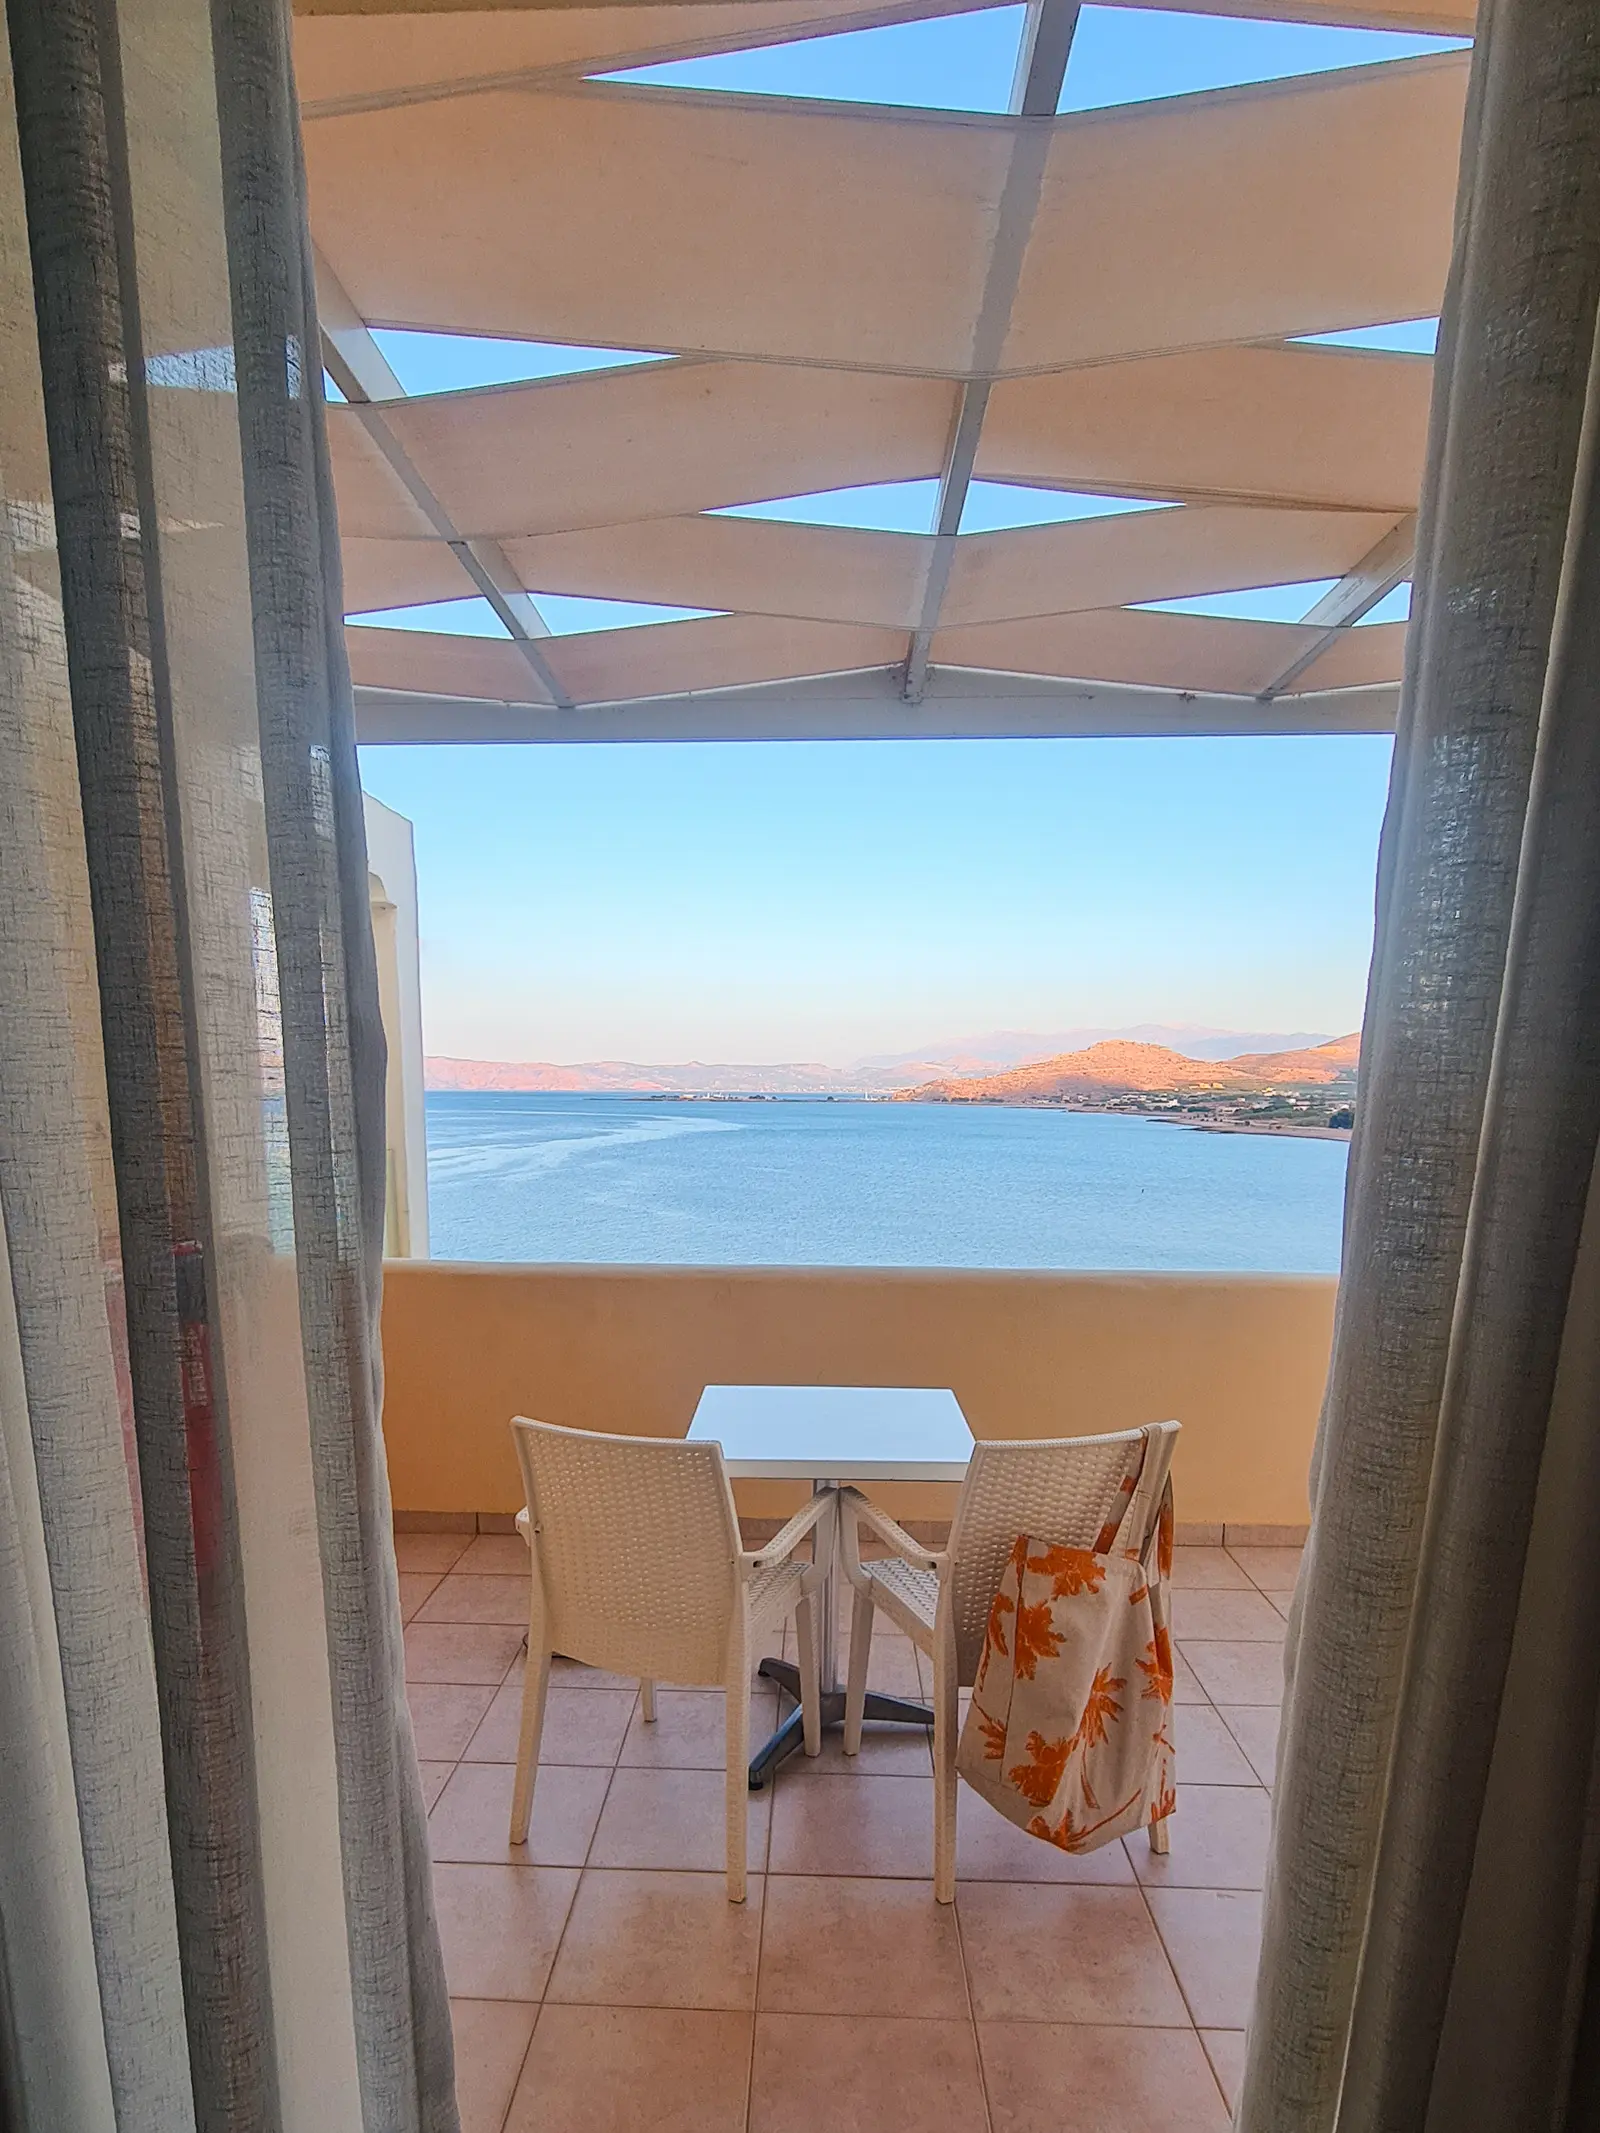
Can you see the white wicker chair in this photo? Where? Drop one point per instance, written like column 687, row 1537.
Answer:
column 1071, row 1490
column 636, row 1566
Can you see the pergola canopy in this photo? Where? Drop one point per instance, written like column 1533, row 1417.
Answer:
column 1102, row 302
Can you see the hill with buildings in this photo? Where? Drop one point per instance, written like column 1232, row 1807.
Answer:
column 1308, row 1065
column 1115, row 1067
column 995, row 1051
column 1312, row 1086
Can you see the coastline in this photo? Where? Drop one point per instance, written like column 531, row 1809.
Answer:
column 1281, row 1128
column 1266, row 1125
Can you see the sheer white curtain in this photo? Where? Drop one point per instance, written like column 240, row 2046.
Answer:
column 1431, row 1900
column 214, row 1897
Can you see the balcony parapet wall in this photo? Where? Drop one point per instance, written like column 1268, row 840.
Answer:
column 1238, row 1358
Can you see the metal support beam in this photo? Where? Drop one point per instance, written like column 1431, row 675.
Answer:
column 1042, row 58
column 1380, row 570
column 351, row 357
column 362, row 373
column 960, row 704
column 1036, row 90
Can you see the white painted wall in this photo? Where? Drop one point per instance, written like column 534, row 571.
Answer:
column 392, row 886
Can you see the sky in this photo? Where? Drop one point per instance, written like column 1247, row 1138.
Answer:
column 967, row 62
column 825, row 901
column 816, row 901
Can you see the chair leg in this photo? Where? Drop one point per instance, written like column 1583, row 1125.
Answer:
column 805, row 1629
column 737, row 1723
column 535, row 1684
column 855, row 1693
column 1161, row 1837
column 946, row 1713
column 647, row 1702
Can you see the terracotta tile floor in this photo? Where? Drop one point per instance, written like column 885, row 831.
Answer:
column 602, row 1983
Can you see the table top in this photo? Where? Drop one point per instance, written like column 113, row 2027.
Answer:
column 835, row 1432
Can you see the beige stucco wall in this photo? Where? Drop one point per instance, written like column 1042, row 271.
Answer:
column 392, row 893
column 1239, row 1359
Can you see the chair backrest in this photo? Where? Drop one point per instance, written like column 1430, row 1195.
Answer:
column 635, row 1542
column 1071, row 1491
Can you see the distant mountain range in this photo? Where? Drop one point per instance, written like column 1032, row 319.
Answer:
column 625, row 1077
column 1003, row 1048
column 966, row 1063
column 1121, row 1068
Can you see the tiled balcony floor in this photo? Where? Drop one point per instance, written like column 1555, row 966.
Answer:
column 602, row 1983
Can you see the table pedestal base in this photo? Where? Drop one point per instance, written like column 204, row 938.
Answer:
column 790, row 1736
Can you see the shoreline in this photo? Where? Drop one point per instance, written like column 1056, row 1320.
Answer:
column 1282, row 1129
column 1293, row 1132
column 1279, row 1129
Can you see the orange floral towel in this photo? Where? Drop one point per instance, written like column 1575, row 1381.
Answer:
column 1070, row 1730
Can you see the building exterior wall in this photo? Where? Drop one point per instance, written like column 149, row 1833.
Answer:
column 392, row 886
column 1238, row 1359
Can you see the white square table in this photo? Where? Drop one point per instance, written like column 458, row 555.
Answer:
column 828, row 1435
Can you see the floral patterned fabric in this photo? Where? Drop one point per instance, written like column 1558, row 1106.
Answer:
column 1070, row 1730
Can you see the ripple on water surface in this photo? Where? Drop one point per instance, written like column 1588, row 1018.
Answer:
column 799, row 1183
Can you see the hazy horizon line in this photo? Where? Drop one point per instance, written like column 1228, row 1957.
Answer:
column 991, row 1045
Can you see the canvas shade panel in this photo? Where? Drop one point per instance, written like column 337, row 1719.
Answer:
column 1173, row 248
column 761, row 566
column 573, row 452
column 1198, row 652
column 489, row 667
column 1272, row 425
column 1437, row 18
column 613, row 666
column 885, row 220
column 841, row 574
column 826, row 573
column 372, row 55
column 1445, row 17
column 400, row 573
column 1242, row 214
column 373, row 501
column 1358, row 656
column 1156, row 555
column 1226, row 217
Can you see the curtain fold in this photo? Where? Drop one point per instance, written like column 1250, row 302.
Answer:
column 1469, row 1176
column 215, row 1902
column 74, row 155
column 334, row 1060
column 95, row 2031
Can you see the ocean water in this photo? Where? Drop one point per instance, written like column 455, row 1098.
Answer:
column 801, row 1183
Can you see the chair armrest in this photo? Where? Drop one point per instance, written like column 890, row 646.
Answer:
column 784, row 1542
column 856, row 1512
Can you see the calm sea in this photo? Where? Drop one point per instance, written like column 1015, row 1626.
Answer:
column 609, row 1178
